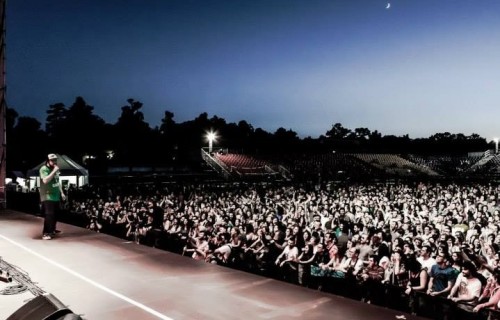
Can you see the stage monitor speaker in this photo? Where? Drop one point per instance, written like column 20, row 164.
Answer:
column 45, row 307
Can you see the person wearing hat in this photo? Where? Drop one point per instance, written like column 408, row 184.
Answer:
column 51, row 194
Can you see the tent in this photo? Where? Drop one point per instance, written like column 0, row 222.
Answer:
column 71, row 173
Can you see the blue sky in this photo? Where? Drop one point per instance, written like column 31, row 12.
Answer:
column 417, row 68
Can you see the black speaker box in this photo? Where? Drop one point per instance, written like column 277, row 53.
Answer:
column 45, row 307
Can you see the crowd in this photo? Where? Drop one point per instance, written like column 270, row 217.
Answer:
column 427, row 248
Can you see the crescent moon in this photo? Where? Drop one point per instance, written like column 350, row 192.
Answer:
column 388, row 6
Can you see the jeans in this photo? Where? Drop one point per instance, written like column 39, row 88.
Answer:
column 50, row 209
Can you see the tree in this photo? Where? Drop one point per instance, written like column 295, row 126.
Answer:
column 285, row 139
column 168, row 133
column 84, row 132
column 475, row 136
column 133, row 135
column 55, row 119
column 245, row 135
column 375, row 136
column 362, row 133
column 167, row 124
column 263, row 140
column 338, row 132
column 10, row 119
column 26, row 144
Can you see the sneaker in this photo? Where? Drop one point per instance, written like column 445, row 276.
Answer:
column 46, row 237
column 57, row 231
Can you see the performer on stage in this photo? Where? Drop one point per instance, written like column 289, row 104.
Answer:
column 51, row 194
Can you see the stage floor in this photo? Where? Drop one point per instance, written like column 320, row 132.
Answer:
column 103, row 277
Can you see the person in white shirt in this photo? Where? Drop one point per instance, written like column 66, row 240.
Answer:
column 287, row 261
column 466, row 291
column 425, row 258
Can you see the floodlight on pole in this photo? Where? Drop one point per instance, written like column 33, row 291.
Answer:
column 496, row 145
column 211, row 137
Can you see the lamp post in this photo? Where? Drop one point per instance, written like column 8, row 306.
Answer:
column 496, row 145
column 211, row 138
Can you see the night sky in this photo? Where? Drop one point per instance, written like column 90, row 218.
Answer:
column 418, row 68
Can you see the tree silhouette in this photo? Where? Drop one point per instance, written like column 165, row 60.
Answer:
column 84, row 132
column 26, row 144
column 55, row 118
column 77, row 131
column 362, row 133
column 132, row 135
column 168, row 138
column 338, row 132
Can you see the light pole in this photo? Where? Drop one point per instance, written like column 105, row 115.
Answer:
column 211, row 137
column 496, row 145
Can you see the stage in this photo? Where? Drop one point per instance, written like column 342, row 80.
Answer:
column 101, row 277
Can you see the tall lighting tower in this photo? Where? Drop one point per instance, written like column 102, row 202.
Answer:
column 211, row 137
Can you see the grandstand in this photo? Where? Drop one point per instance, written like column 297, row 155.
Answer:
column 395, row 165
column 335, row 166
column 449, row 165
column 239, row 165
column 495, row 163
column 353, row 166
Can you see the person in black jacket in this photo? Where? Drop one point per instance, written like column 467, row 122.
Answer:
column 154, row 234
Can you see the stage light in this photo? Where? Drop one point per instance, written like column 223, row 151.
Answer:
column 211, row 137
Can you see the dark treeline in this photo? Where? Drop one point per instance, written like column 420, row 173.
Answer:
column 77, row 132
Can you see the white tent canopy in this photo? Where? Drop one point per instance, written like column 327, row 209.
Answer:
column 70, row 173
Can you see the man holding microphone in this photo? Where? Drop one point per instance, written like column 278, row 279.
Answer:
column 51, row 194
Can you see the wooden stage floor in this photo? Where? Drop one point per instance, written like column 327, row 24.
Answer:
column 102, row 277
